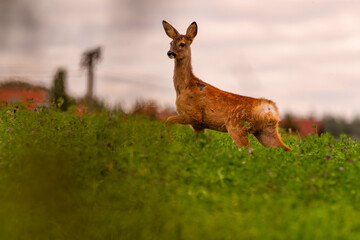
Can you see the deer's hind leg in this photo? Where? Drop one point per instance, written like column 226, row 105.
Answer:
column 238, row 133
column 179, row 119
column 269, row 136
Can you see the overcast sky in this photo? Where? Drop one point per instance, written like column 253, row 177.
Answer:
column 302, row 54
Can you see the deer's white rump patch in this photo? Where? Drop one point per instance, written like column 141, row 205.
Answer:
column 265, row 111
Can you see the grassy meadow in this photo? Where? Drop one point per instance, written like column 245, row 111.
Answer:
column 108, row 175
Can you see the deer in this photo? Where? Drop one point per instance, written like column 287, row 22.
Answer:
column 203, row 106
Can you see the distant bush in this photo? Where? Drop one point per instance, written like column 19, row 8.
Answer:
column 151, row 109
column 94, row 104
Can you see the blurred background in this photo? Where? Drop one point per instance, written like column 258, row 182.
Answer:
column 302, row 54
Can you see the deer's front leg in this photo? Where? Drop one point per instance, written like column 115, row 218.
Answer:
column 179, row 119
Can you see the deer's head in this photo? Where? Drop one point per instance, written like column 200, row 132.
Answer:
column 180, row 44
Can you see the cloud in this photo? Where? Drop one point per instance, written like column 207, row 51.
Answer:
column 19, row 25
column 298, row 53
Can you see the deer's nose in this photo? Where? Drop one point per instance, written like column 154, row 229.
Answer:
column 171, row 54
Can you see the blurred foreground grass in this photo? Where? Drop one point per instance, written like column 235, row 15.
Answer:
column 111, row 176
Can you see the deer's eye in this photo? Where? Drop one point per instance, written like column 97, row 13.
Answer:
column 182, row 45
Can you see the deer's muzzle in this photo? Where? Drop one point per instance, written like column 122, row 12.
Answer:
column 171, row 54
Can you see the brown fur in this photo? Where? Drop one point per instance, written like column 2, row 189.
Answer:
column 203, row 106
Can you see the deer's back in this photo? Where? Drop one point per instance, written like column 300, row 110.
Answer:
column 211, row 107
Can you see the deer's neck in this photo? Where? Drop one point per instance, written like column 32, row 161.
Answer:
column 183, row 75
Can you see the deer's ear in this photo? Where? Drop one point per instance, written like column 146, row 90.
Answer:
column 192, row 31
column 170, row 30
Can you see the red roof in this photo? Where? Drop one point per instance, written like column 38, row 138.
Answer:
column 22, row 92
column 306, row 126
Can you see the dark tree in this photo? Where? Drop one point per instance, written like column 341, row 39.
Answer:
column 58, row 93
column 337, row 126
column 289, row 123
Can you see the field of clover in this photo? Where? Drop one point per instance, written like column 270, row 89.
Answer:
column 107, row 175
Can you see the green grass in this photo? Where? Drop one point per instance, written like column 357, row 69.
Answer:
column 112, row 176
